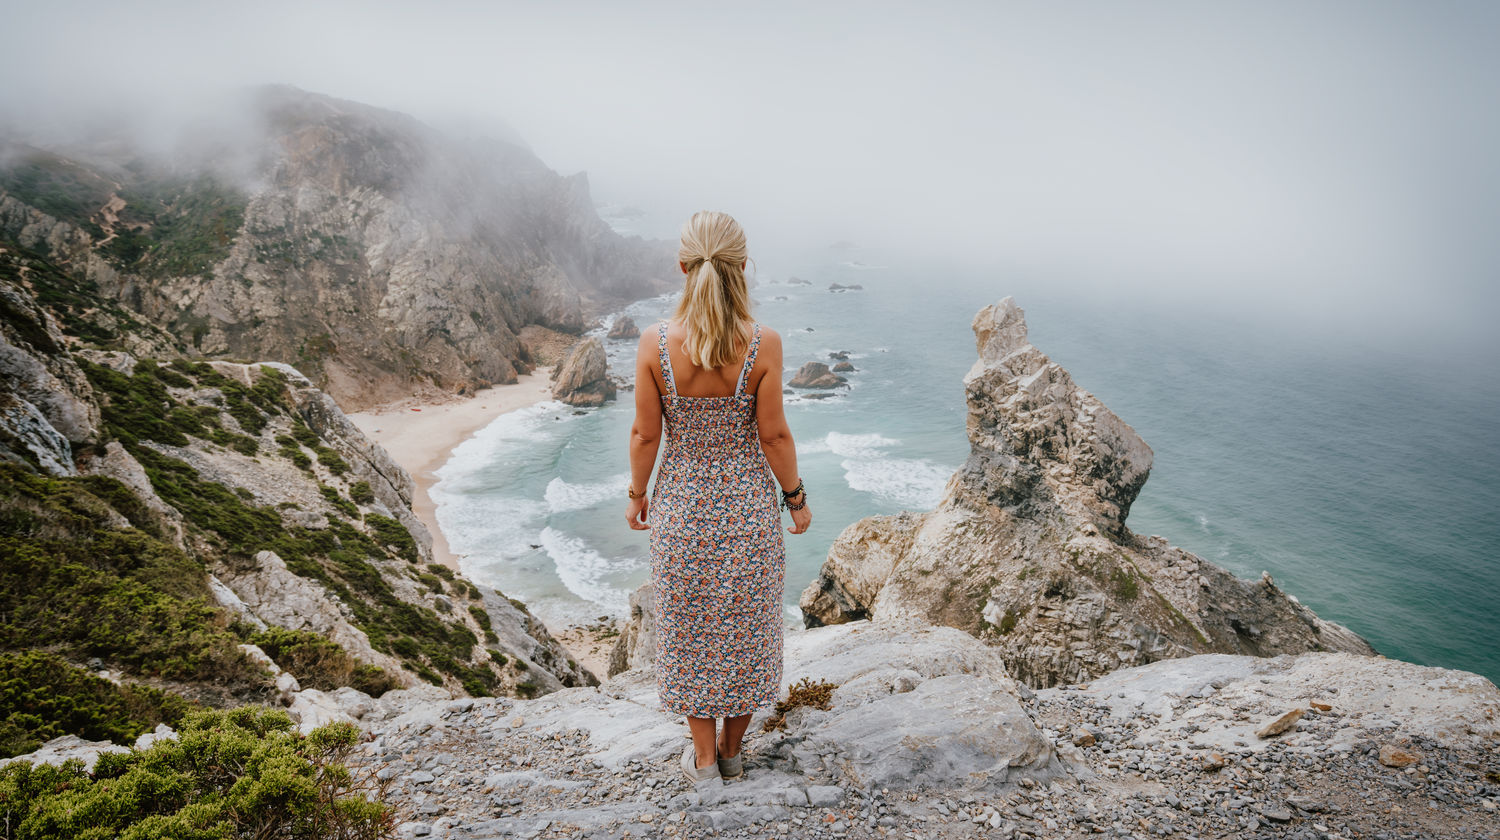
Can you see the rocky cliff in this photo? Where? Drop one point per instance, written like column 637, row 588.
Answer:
column 375, row 255
column 1028, row 550
column 166, row 521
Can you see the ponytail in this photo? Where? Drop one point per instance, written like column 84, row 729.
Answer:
column 715, row 306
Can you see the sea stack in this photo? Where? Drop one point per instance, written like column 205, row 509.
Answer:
column 624, row 327
column 816, row 375
column 1028, row 549
column 583, row 377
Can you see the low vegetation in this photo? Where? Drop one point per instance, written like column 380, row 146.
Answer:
column 43, row 696
column 341, row 556
column 241, row 773
column 804, row 692
column 319, row 662
column 80, row 589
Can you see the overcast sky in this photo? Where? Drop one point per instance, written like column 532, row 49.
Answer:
column 1340, row 156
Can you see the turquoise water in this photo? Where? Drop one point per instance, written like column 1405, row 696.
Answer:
column 1363, row 481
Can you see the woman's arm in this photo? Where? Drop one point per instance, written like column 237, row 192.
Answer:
column 645, row 432
column 775, row 435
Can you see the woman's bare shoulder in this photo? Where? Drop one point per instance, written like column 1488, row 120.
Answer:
column 649, row 336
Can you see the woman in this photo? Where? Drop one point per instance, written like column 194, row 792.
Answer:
column 711, row 379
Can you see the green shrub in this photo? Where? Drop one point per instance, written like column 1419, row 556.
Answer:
column 306, row 436
column 83, row 590
column 43, row 696
column 344, row 505
column 392, row 533
column 372, row 679
column 319, row 662
column 241, row 773
column 482, row 616
column 361, row 493
column 440, row 570
column 330, row 459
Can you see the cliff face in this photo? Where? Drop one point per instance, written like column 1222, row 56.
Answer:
column 377, row 256
column 163, row 517
column 1029, row 551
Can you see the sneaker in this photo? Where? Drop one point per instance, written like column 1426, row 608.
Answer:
column 732, row 768
column 693, row 772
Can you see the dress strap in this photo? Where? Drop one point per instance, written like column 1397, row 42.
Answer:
column 739, row 386
column 666, row 360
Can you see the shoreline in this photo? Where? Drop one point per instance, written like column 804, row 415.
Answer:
column 421, row 437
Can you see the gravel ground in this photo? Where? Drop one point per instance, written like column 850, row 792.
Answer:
column 477, row 769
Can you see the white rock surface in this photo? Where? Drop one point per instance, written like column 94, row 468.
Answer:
column 1219, row 700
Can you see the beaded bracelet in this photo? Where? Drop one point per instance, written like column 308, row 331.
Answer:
column 788, row 495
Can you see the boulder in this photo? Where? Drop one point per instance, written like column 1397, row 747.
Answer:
column 816, row 375
column 312, row 708
column 624, row 327
column 1028, row 549
column 64, row 747
column 583, row 377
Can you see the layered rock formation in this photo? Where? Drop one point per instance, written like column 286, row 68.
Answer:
column 284, row 513
column 377, row 256
column 582, row 378
column 1028, row 549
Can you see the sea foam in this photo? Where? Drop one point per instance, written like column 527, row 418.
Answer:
column 585, row 572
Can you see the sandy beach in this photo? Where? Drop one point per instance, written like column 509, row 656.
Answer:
column 420, row 436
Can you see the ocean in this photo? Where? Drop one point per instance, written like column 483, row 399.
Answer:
column 1363, row 481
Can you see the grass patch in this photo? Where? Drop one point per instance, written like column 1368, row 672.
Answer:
column 1124, row 584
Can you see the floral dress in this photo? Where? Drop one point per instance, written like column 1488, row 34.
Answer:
column 718, row 561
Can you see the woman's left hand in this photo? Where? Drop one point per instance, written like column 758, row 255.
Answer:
column 635, row 514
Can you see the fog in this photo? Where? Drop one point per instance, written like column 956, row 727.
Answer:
column 1329, row 161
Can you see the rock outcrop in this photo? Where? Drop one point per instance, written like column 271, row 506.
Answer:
column 816, row 375
column 1028, row 549
column 624, row 327
column 926, row 736
column 292, row 518
column 380, row 257
column 635, row 647
column 583, row 377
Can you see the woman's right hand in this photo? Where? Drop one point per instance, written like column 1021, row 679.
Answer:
column 801, row 519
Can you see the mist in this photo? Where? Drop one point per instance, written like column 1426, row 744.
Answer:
column 1330, row 164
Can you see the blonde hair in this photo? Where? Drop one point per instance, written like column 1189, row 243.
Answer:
column 715, row 306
